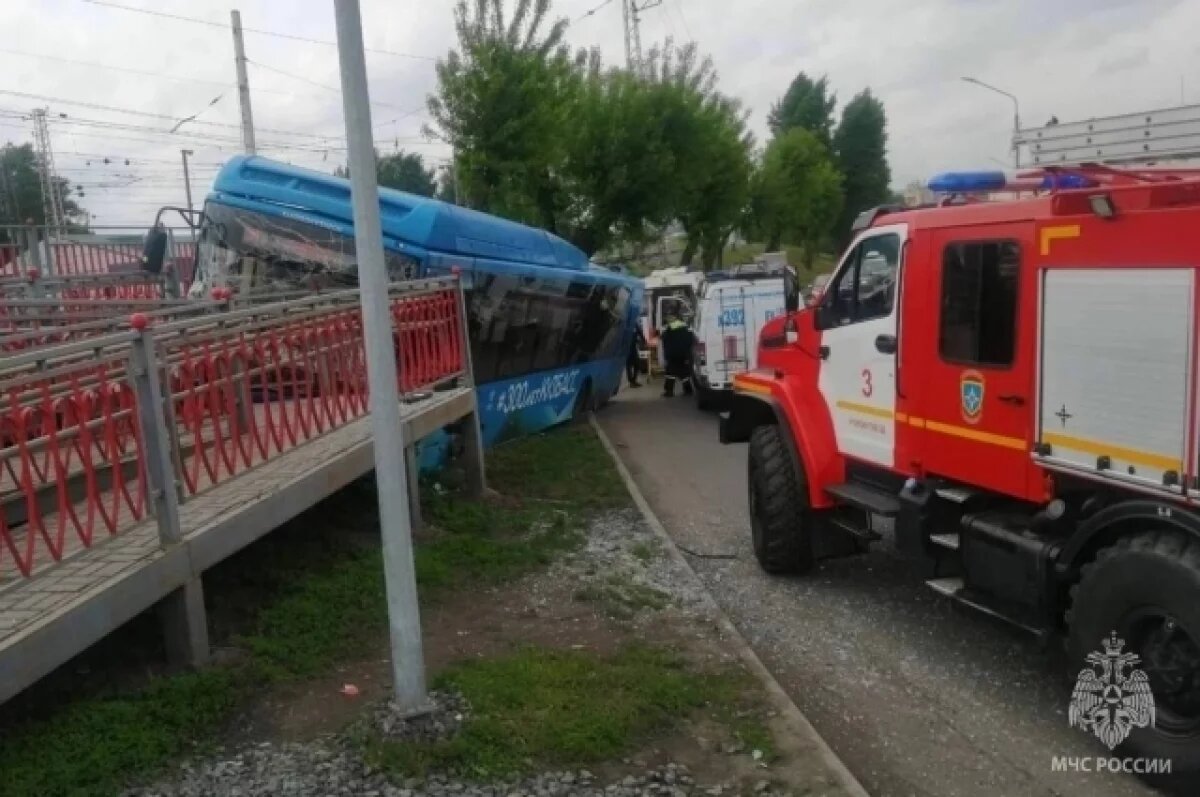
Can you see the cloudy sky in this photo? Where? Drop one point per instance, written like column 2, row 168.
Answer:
column 115, row 80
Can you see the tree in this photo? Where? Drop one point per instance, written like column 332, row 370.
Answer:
column 21, row 189
column 797, row 193
column 861, row 145
column 405, row 171
column 807, row 105
column 647, row 149
column 446, row 189
column 711, row 150
column 503, row 101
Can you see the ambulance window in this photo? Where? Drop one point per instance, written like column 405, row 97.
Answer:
column 979, row 302
column 866, row 287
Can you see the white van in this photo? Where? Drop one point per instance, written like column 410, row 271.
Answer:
column 734, row 306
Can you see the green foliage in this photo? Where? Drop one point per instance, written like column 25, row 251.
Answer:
column 534, row 468
column 21, row 188
column 320, row 585
column 600, row 157
column 474, row 543
column 807, row 105
column 95, row 746
column 500, row 105
column 798, row 193
column 861, row 143
column 539, row 708
column 406, row 171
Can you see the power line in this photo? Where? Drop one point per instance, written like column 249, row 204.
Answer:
column 683, row 18
column 150, row 115
column 322, row 86
column 592, row 13
column 259, row 31
column 143, row 72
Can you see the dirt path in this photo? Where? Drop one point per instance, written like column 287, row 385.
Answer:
column 917, row 698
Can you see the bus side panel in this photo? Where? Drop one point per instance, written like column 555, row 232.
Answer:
column 529, row 404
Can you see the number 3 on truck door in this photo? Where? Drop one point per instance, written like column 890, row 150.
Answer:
column 857, row 320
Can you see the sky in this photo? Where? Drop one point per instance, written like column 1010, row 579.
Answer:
column 91, row 63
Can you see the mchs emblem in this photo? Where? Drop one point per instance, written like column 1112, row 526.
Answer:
column 1111, row 698
column 971, row 387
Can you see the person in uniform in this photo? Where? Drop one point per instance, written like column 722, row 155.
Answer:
column 677, row 342
column 633, row 362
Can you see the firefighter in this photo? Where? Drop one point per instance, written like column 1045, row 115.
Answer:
column 677, row 341
column 633, row 362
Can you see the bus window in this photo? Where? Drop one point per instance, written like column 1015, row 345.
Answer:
column 246, row 249
column 521, row 325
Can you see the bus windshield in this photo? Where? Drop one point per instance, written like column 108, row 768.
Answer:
column 248, row 250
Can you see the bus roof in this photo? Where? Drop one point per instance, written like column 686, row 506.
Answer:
column 425, row 222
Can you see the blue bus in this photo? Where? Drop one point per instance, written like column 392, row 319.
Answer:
column 549, row 331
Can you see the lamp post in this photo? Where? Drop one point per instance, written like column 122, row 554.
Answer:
column 1016, row 116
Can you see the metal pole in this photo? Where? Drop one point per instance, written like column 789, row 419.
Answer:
column 1016, row 134
column 1016, row 115
column 408, row 664
column 239, row 52
column 187, row 177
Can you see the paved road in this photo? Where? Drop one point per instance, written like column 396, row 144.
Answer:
column 916, row 696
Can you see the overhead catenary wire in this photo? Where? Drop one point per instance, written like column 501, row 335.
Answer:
column 684, row 20
column 331, row 89
column 151, row 115
column 257, row 31
column 593, row 11
column 132, row 71
column 316, row 141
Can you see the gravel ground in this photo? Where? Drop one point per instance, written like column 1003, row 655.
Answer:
column 620, row 554
column 916, row 696
column 322, row 770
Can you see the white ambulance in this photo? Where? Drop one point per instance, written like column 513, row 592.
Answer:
column 733, row 307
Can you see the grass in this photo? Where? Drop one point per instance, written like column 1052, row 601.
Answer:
column 539, row 709
column 621, row 598
column 303, row 599
column 644, row 551
column 568, row 466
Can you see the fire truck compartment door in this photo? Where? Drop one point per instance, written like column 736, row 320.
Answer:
column 1116, row 370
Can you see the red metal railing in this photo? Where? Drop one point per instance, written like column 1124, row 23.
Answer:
column 243, row 387
column 93, row 255
column 70, row 461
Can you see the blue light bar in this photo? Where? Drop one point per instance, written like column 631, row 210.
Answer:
column 968, row 182
column 986, row 182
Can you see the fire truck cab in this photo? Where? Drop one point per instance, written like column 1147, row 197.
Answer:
column 1008, row 391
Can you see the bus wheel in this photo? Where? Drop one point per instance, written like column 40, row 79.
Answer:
column 780, row 519
column 583, row 402
column 1146, row 589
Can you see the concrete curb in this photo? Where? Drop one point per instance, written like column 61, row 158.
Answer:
column 779, row 698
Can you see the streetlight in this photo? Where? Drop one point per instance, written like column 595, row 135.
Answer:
column 1016, row 115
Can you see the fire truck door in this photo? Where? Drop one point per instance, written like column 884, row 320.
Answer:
column 857, row 319
column 971, row 372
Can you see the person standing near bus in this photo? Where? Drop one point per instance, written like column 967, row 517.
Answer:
column 677, row 341
column 633, row 362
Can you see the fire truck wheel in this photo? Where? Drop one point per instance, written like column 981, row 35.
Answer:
column 1145, row 588
column 779, row 511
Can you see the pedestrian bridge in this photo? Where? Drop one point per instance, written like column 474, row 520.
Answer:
column 139, row 449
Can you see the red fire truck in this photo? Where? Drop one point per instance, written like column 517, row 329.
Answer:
column 1009, row 390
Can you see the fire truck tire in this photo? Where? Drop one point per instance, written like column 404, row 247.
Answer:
column 1145, row 587
column 779, row 513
